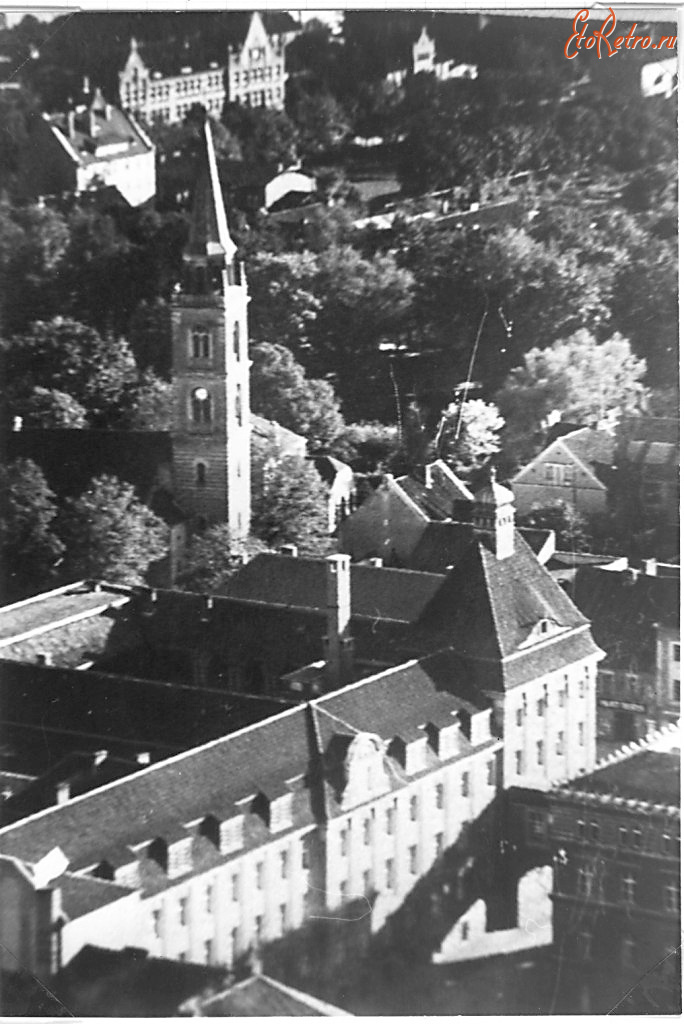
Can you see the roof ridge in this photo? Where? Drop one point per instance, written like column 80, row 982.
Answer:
column 148, row 769
column 482, row 561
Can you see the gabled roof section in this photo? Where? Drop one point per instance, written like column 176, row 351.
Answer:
column 591, row 445
column 398, row 595
column 436, row 499
column 209, row 235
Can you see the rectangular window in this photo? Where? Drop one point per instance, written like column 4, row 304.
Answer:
column 367, row 883
column 439, row 796
column 259, row 875
column 537, row 824
column 208, row 951
column 518, row 762
column 671, row 898
column 491, row 772
column 666, row 845
column 465, row 931
column 584, row 880
column 209, row 899
column 233, row 943
column 343, row 891
column 581, row 830
column 540, row 707
column 627, row 889
column 413, row 859
column 636, row 838
column 413, row 808
column 568, row 475
column 389, row 873
column 201, row 343
column 183, row 910
column 156, row 923
column 235, row 888
column 676, row 691
column 284, row 861
column 676, row 652
column 594, row 832
column 553, row 473
column 389, row 821
column 540, row 751
column 623, row 836
column 367, row 832
column 580, row 734
column 258, row 927
column 283, row 918
column 439, row 844
column 465, row 784
column 305, row 858
column 560, row 744
column 518, row 716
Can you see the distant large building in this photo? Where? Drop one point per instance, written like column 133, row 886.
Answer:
column 92, row 146
column 253, row 73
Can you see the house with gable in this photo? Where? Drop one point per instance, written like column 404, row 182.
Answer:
column 574, row 468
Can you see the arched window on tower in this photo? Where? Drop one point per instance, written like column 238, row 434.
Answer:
column 200, row 339
column 236, row 339
column 200, row 474
column 200, row 401
column 238, row 405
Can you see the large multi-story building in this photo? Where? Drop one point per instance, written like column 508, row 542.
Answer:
column 92, row 146
column 613, row 836
column 635, row 619
column 252, row 74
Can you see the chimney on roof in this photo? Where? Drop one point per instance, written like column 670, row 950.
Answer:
column 143, row 757
column 290, row 550
column 44, row 658
column 63, row 792
column 649, row 566
column 86, row 85
column 375, row 562
column 339, row 644
column 17, row 423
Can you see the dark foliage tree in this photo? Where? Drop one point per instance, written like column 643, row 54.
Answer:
column 149, row 335
column 280, row 390
column 290, row 506
column 469, row 435
column 266, row 136
column 571, row 528
column 48, row 407
column 30, row 549
column 109, row 534
column 368, row 447
column 322, row 124
column 213, row 557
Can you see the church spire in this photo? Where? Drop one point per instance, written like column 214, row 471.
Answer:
column 209, row 235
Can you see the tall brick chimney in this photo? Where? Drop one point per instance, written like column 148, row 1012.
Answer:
column 339, row 644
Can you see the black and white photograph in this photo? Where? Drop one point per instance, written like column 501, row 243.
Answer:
column 339, row 511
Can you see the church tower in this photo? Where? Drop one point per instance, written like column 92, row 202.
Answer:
column 494, row 516
column 211, row 420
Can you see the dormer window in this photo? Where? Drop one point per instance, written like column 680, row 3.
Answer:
column 200, row 402
column 158, row 851
column 200, row 343
column 226, row 836
column 180, row 857
column 281, row 813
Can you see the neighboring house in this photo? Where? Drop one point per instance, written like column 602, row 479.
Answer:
column 422, row 59
column 391, row 522
column 93, row 146
column 573, row 469
column 162, row 87
column 339, row 478
column 635, row 619
column 261, row 996
column 659, row 78
column 648, row 458
column 421, row 521
column 252, row 187
column 614, row 838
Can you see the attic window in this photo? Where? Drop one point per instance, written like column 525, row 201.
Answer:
column 180, row 857
column 158, row 851
column 281, row 813
column 232, row 834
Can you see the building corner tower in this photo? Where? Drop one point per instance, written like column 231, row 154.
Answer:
column 211, row 417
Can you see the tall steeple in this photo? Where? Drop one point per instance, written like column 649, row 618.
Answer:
column 211, row 431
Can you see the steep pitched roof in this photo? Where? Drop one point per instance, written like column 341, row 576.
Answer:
column 379, row 593
column 209, row 235
column 591, row 445
column 260, row 996
column 490, row 605
column 435, row 500
column 645, row 775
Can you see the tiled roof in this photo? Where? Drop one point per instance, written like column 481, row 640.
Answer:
column 591, row 445
column 647, row 775
column 489, row 606
column 443, row 544
column 379, row 593
column 81, row 894
column 398, row 701
column 623, row 608
column 437, row 500
column 24, row 617
column 157, row 800
column 261, row 996
column 111, row 128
